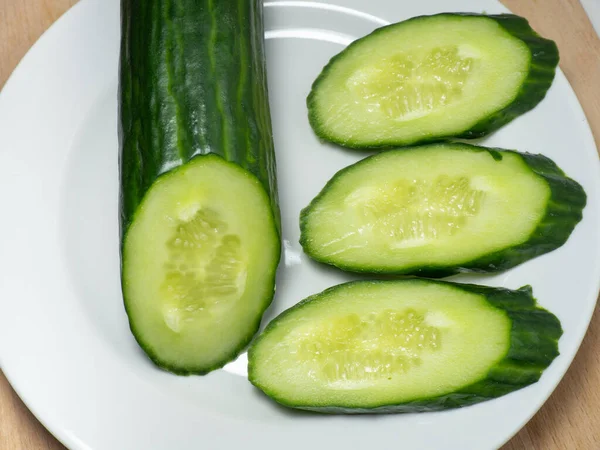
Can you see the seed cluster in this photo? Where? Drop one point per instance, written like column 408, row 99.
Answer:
column 377, row 346
column 204, row 266
column 410, row 85
column 421, row 210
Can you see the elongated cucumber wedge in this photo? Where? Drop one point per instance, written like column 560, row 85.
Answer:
column 403, row 346
column 440, row 209
column 199, row 215
column 432, row 77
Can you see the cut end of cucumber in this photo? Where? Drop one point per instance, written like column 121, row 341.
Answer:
column 368, row 344
column 424, row 208
column 431, row 77
column 199, row 263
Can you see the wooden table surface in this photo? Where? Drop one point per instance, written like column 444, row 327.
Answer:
column 570, row 420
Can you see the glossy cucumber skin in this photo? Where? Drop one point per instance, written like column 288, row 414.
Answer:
column 542, row 68
column 534, row 339
column 192, row 82
column 564, row 211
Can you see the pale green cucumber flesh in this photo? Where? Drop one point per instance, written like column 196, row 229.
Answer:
column 408, row 345
column 440, row 209
column 431, row 77
column 199, row 261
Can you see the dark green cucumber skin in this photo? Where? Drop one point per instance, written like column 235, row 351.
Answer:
column 564, row 211
column 534, row 339
column 192, row 82
column 542, row 68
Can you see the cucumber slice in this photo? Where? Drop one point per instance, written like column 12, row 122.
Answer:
column 432, row 77
column 441, row 209
column 403, row 346
column 199, row 262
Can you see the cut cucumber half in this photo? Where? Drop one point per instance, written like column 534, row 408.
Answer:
column 432, row 77
column 403, row 346
column 199, row 262
column 441, row 209
column 199, row 214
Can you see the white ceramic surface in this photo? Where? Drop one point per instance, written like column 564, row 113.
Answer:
column 64, row 340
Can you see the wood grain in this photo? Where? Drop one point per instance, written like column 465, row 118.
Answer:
column 570, row 419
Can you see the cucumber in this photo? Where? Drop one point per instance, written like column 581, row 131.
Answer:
column 432, row 77
column 198, row 200
column 440, row 209
column 403, row 346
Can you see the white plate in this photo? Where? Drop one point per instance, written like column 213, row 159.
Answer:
column 64, row 340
